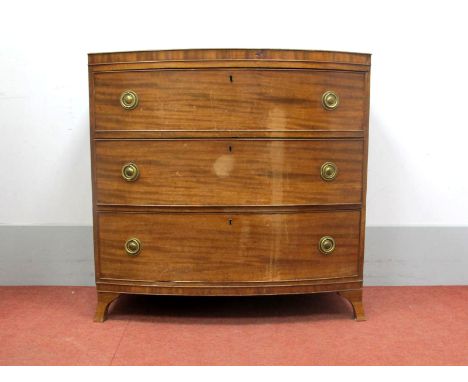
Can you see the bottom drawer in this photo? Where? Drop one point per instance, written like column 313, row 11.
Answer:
column 221, row 247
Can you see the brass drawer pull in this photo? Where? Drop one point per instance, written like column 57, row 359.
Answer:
column 327, row 245
column 130, row 172
column 132, row 247
column 328, row 171
column 129, row 100
column 330, row 100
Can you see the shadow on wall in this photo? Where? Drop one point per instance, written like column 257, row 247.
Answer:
column 76, row 160
column 388, row 169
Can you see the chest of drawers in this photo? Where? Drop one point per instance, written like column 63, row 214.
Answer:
column 229, row 172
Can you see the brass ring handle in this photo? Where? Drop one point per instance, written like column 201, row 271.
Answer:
column 327, row 245
column 130, row 172
column 328, row 171
column 133, row 246
column 129, row 100
column 330, row 100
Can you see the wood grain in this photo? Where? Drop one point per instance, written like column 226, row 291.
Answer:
column 223, row 64
column 271, row 100
column 230, row 55
column 228, row 172
column 228, row 248
column 227, row 289
column 104, row 301
column 226, row 134
column 354, row 297
column 362, row 231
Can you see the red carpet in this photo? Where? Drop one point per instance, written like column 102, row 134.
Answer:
column 406, row 326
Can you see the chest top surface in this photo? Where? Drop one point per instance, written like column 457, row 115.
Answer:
column 358, row 59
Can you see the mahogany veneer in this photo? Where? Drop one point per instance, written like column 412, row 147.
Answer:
column 234, row 99
column 239, row 172
column 229, row 172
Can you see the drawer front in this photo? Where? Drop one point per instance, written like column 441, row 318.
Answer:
column 228, row 172
column 237, row 100
column 227, row 248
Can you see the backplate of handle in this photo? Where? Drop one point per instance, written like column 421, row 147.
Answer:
column 133, row 246
column 130, row 172
column 129, row 100
column 327, row 245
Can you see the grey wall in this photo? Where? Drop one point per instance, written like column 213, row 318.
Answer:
column 50, row 255
column 46, row 255
column 416, row 256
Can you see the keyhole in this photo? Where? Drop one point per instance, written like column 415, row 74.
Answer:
column 230, row 221
column 230, row 149
column 230, row 78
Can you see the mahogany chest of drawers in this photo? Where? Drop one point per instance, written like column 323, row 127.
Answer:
column 229, row 172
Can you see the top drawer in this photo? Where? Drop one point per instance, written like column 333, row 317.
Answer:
column 229, row 99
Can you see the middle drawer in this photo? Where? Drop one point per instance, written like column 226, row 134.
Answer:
column 228, row 172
